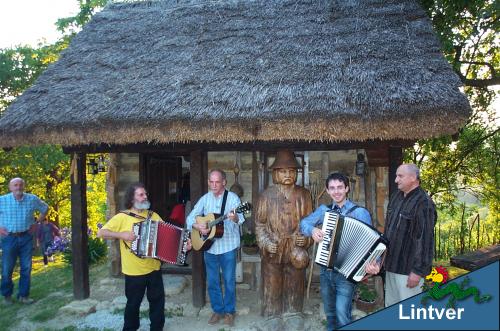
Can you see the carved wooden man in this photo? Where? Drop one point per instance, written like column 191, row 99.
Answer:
column 283, row 249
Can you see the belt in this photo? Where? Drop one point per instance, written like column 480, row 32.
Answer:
column 18, row 234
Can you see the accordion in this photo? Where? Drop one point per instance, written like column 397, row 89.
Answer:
column 160, row 240
column 349, row 245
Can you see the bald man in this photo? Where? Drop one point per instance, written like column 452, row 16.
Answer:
column 409, row 226
column 17, row 226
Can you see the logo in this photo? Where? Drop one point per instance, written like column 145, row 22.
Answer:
column 437, row 289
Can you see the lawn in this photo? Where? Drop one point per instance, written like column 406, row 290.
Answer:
column 51, row 288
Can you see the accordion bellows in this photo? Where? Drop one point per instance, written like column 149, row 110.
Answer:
column 349, row 245
column 160, row 240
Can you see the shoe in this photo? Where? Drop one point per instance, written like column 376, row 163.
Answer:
column 214, row 319
column 229, row 319
column 8, row 301
column 25, row 300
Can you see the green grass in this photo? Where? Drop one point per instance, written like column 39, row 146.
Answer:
column 45, row 282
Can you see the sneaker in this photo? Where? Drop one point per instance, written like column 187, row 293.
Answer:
column 25, row 300
column 214, row 319
column 8, row 301
column 229, row 319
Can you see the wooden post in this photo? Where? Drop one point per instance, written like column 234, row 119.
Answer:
column 79, row 236
column 255, row 186
column 198, row 187
column 395, row 160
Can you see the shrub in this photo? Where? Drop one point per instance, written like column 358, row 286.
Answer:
column 97, row 251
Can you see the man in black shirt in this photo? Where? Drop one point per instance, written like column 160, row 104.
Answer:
column 409, row 226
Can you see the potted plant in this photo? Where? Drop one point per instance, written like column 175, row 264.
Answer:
column 365, row 298
column 249, row 243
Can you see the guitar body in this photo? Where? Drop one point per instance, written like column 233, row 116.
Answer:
column 201, row 242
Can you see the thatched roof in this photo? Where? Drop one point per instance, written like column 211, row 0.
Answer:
column 231, row 71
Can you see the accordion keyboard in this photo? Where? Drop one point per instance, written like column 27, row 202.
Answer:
column 325, row 247
column 135, row 243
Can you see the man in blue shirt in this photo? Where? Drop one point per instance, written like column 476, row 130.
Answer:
column 221, row 257
column 17, row 227
column 336, row 291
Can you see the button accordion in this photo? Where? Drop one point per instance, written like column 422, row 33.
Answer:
column 160, row 240
column 349, row 245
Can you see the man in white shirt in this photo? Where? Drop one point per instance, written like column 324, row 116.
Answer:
column 221, row 257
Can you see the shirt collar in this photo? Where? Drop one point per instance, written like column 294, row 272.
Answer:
column 14, row 198
column 348, row 204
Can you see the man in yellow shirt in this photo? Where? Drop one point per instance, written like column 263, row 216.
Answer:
column 141, row 275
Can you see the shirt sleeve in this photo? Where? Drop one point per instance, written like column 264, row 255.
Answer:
column 308, row 223
column 363, row 215
column 424, row 240
column 41, row 206
column 196, row 211
column 233, row 201
column 113, row 224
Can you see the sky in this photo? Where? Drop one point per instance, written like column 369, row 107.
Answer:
column 30, row 21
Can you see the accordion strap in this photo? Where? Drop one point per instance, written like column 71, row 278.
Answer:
column 129, row 213
column 353, row 208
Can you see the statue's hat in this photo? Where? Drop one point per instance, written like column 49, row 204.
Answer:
column 285, row 159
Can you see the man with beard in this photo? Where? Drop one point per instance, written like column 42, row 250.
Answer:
column 283, row 247
column 141, row 275
column 17, row 225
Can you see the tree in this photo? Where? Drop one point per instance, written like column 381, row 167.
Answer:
column 470, row 159
column 45, row 168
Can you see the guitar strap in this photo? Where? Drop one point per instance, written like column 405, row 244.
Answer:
column 224, row 198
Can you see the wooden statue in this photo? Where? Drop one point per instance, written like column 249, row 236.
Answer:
column 283, row 249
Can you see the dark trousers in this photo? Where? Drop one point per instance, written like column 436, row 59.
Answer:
column 135, row 286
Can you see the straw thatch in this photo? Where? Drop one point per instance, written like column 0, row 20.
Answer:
column 232, row 71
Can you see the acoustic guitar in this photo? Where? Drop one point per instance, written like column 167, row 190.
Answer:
column 215, row 223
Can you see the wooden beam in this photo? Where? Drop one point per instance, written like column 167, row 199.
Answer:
column 198, row 187
column 395, row 160
column 265, row 146
column 79, row 237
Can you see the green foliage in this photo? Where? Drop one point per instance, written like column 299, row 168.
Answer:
column 69, row 26
column 249, row 239
column 467, row 30
column 365, row 293
column 21, row 66
column 97, row 250
column 46, row 172
column 463, row 228
column 466, row 163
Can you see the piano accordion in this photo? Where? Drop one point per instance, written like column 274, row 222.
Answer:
column 160, row 240
column 349, row 245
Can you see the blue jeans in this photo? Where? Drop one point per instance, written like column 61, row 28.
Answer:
column 337, row 294
column 12, row 247
column 226, row 262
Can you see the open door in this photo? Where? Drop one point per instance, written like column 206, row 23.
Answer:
column 163, row 179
